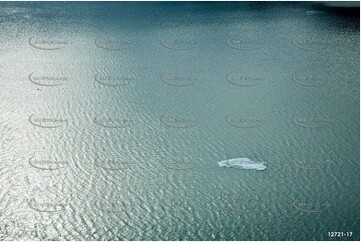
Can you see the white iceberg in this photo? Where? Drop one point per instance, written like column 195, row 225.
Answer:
column 243, row 164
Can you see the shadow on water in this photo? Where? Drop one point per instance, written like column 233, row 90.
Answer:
column 186, row 14
column 347, row 14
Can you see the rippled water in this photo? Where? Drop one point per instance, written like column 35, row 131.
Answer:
column 113, row 117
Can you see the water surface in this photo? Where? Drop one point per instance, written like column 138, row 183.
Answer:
column 113, row 117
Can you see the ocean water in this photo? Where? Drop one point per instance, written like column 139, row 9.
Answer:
column 114, row 116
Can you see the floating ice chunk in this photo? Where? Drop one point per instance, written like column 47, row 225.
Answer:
column 242, row 163
column 314, row 12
